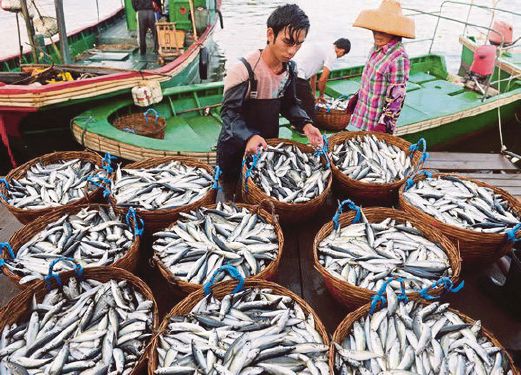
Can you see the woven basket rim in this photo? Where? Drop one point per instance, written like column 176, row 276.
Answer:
column 515, row 205
column 262, row 275
column 372, row 214
column 396, row 141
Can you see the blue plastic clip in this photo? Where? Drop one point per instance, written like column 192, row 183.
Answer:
column 106, row 162
column 217, row 174
column 232, row 271
column 6, row 245
column 249, row 171
column 511, row 234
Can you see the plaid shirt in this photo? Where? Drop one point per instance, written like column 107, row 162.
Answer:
column 382, row 88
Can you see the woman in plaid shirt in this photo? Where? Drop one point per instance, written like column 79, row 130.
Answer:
column 384, row 79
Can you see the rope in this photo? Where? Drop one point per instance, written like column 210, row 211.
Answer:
column 410, row 181
column 3, row 180
column 352, row 206
column 154, row 112
column 511, row 234
column 106, row 162
column 78, row 270
column 232, row 271
column 447, row 284
column 217, row 174
column 379, row 296
column 139, row 224
column 101, row 182
column 250, row 169
column 6, row 245
column 322, row 151
column 416, row 147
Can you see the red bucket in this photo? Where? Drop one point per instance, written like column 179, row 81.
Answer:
column 484, row 60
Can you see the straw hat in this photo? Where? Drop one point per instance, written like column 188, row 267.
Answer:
column 388, row 18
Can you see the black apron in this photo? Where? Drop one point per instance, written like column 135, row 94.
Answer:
column 261, row 115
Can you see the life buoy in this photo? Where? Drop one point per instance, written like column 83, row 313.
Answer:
column 204, row 62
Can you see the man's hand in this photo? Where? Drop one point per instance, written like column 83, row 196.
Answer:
column 321, row 99
column 254, row 143
column 314, row 136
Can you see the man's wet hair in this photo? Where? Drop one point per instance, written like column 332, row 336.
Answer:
column 343, row 43
column 288, row 16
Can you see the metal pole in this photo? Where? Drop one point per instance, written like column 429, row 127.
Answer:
column 19, row 41
column 64, row 44
column 30, row 29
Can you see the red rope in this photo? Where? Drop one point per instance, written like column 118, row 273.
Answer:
column 5, row 140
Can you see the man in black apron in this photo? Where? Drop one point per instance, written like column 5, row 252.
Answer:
column 260, row 88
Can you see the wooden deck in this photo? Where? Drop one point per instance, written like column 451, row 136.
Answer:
column 297, row 273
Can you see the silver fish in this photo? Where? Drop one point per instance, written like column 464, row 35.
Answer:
column 290, row 175
column 366, row 254
column 88, row 326
column 93, row 237
column 372, row 160
column 415, row 338
column 168, row 185
column 330, row 103
column 203, row 240
column 463, row 204
column 53, row 185
column 255, row 331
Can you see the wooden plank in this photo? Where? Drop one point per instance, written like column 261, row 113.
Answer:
column 494, row 176
column 463, row 156
column 457, row 165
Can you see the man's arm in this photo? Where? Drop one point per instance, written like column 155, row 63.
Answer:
column 323, row 81
column 313, row 84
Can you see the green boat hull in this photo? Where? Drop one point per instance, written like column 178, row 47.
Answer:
column 435, row 108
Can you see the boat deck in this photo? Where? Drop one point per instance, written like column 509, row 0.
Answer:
column 298, row 274
column 117, row 47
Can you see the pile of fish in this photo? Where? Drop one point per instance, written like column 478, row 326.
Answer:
column 203, row 240
column 255, row 331
column 329, row 103
column 52, row 185
column 93, row 237
column 290, row 175
column 366, row 254
column 463, row 204
column 372, row 160
column 412, row 338
column 87, row 327
column 166, row 186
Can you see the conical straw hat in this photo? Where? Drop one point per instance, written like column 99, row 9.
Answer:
column 388, row 18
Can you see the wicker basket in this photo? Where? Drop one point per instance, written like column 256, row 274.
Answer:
column 144, row 124
column 353, row 296
column 368, row 193
column 128, row 262
column 219, row 291
column 334, row 119
column 26, row 216
column 344, row 328
column 475, row 247
column 19, row 308
column 159, row 219
column 268, row 273
column 288, row 212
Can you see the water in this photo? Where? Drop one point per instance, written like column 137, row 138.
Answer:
column 244, row 30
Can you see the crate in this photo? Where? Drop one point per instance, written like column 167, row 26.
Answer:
column 170, row 40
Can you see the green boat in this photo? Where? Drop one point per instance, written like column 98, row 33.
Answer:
column 435, row 108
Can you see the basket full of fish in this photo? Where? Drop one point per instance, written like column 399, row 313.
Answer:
column 415, row 337
column 332, row 114
column 370, row 167
column 483, row 220
column 160, row 188
column 50, row 181
column 291, row 175
column 357, row 251
column 190, row 251
column 93, row 235
column 261, row 329
column 98, row 320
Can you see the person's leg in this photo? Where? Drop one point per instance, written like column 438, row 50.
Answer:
column 305, row 95
column 142, row 22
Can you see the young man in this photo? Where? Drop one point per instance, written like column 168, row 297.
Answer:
column 259, row 88
column 310, row 60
